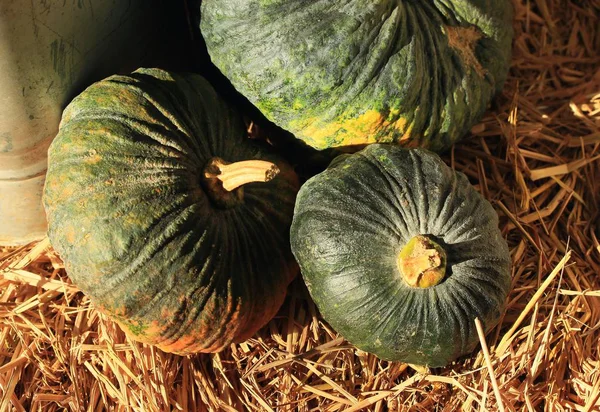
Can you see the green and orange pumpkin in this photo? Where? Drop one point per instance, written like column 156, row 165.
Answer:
column 400, row 254
column 352, row 72
column 165, row 213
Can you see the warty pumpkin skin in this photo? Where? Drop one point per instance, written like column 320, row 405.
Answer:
column 155, row 242
column 352, row 72
column 355, row 222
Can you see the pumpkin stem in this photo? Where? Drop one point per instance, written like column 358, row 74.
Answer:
column 234, row 175
column 422, row 262
column 224, row 182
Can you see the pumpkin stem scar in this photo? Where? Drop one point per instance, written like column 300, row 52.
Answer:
column 422, row 262
column 464, row 40
column 234, row 175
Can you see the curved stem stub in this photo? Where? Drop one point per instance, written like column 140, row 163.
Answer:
column 224, row 181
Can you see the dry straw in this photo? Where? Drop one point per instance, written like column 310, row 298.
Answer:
column 535, row 156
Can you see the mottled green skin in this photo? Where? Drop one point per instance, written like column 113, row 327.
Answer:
column 351, row 222
column 138, row 233
column 329, row 65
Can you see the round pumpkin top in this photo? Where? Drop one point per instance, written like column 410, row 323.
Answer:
column 350, row 72
column 400, row 254
column 139, row 211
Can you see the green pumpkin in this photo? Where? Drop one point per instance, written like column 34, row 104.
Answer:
column 141, row 209
column 401, row 254
column 342, row 73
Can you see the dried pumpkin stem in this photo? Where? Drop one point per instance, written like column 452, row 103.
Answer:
column 422, row 262
column 234, row 175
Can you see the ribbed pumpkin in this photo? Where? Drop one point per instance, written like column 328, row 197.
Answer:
column 350, row 72
column 401, row 254
column 142, row 207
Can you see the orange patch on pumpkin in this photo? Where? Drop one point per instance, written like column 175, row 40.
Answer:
column 69, row 233
column 353, row 131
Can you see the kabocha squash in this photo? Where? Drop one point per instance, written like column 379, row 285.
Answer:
column 400, row 254
column 157, row 202
column 352, row 72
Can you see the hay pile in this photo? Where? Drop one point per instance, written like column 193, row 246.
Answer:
column 535, row 156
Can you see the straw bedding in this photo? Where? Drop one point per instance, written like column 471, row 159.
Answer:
column 535, row 156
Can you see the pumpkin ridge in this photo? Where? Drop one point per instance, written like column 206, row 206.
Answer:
column 263, row 253
column 265, row 204
column 144, row 134
column 474, row 307
column 449, row 191
column 180, row 105
column 368, row 223
column 437, row 88
column 257, row 228
column 171, row 284
column 458, row 313
column 434, row 307
column 487, row 284
column 247, row 283
column 201, row 294
column 462, row 230
column 119, row 85
column 374, row 63
column 147, row 250
column 158, row 177
column 392, row 318
column 144, row 130
column 395, row 186
column 374, row 219
column 420, row 181
column 403, row 316
column 176, row 102
column 452, row 220
column 185, row 319
column 158, row 180
column 481, row 288
column 253, row 318
column 153, row 161
column 468, row 293
column 235, row 282
column 449, row 315
column 422, row 320
column 84, row 285
column 360, row 305
column 459, row 193
column 391, row 184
